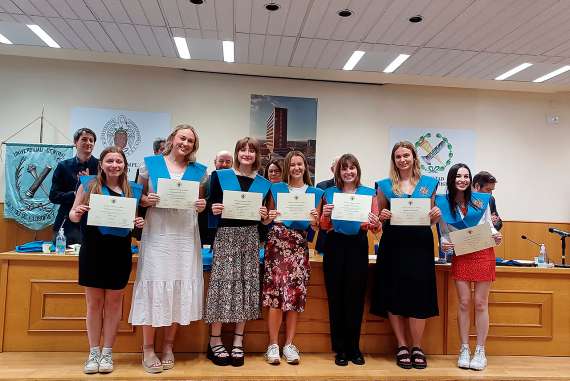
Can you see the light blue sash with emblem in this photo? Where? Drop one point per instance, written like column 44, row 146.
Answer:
column 229, row 181
column 157, row 168
column 136, row 189
column 475, row 210
column 425, row 188
column 342, row 226
column 284, row 188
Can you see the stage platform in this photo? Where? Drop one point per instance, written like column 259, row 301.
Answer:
column 314, row 366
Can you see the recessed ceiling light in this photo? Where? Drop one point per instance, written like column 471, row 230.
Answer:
column 228, row 48
column 4, row 40
column 44, row 36
column 197, row 2
column 182, row 47
column 272, row 7
column 353, row 60
column 513, row 71
column 396, row 63
column 552, row 74
column 344, row 13
column 416, row 19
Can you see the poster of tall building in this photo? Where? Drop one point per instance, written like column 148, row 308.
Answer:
column 282, row 124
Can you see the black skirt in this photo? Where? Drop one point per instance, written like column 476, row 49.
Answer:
column 105, row 261
column 405, row 273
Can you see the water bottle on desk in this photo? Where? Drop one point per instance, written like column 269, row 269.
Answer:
column 60, row 242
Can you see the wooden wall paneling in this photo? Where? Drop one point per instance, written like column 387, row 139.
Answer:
column 3, row 291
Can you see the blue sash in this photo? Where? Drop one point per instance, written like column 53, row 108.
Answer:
column 342, row 226
column 157, row 168
column 229, row 181
column 284, row 188
column 425, row 188
column 137, row 192
column 475, row 210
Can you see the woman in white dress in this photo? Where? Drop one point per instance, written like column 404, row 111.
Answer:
column 169, row 287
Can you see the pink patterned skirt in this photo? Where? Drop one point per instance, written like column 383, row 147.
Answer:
column 474, row 267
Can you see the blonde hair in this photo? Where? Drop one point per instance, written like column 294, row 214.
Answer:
column 96, row 186
column 287, row 167
column 253, row 143
column 395, row 173
column 191, row 156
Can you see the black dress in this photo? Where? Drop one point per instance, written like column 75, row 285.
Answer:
column 105, row 260
column 405, row 273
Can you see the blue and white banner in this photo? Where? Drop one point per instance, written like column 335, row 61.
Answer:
column 438, row 149
column 29, row 169
column 134, row 131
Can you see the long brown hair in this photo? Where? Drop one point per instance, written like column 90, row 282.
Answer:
column 191, row 156
column 287, row 167
column 101, row 179
column 343, row 162
column 253, row 143
column 395, row 173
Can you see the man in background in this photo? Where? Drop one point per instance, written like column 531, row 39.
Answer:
column 330, row 182
column 320, row 244
column 223, row 160
column 65, row 182
column 484, row 182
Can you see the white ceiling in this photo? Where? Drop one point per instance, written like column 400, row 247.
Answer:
column 459, row 41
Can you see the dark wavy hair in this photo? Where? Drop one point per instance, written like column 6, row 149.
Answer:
column 452, row 188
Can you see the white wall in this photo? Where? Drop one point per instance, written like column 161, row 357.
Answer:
column 530, row 158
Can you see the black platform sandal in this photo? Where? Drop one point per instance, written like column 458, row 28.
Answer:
column 214, row 354
column 418, row 354
column 400, row 357
column 237, row 354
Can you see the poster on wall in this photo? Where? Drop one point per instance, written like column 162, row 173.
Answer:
column 28, row 173
column 438, row 149
column 282, row 124
column 133, row 131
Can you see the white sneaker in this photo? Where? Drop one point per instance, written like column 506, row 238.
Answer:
column 464, row 356
column 272, row 354
column 92, row 362
column 479, row 361
column 291, row 354
column 106, row 362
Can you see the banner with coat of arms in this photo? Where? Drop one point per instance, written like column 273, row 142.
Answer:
column 438, row 149
column 28, row 173
column 133, row 131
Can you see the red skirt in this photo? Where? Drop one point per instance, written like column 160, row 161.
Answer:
column 474, row 267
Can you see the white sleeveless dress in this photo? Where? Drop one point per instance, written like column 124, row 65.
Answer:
column 169, row 286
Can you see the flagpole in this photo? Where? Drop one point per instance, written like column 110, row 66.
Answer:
column 42, row 126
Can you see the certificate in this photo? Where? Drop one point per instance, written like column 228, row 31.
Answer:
column 177, row 194
column 295, row 206
column 472, row 239
column 111, row 211
column 410, row 211
column 351, row 207
column 242, row 205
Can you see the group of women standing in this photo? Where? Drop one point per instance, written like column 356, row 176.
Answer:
column 169, row 285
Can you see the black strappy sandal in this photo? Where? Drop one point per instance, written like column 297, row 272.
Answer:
column 215, row 352
column 418, row 354
column 400, row 357
column 237, row 354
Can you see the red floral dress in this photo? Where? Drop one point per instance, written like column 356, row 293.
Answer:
column 287, row 269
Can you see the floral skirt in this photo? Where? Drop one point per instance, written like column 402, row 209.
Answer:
column 233, row 291
column 287, row 270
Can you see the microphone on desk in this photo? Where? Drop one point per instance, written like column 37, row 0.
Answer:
column 561, row 233
column 528, row 239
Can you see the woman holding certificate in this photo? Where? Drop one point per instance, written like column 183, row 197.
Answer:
column 405, row 285
column 105, row 255
column 462, row 212
column 169, row 287
column 287, row 268
column 236, row 199
column 349, row 211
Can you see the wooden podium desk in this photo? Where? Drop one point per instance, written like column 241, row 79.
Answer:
column 43, row 309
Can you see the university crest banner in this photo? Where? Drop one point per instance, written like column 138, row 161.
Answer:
column 29, row 170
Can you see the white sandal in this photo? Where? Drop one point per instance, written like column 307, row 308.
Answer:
column 156, row 365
